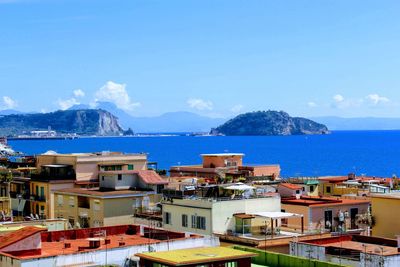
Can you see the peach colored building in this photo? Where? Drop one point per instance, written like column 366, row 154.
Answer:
column 63, row 171
column 225, row 165
column 88, row 165
column 326, row 213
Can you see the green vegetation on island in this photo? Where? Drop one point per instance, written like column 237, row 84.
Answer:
column 83, row 122
column 269, row 123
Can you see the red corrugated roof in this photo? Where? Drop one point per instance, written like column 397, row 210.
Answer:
column 151, row 177
column 18, row 235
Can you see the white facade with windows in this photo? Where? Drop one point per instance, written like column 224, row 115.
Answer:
column 209, row 216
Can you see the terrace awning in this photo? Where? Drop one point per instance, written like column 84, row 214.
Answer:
column 277, row 215
column 239, row 186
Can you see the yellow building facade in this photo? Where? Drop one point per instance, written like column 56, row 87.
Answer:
column 384, row 209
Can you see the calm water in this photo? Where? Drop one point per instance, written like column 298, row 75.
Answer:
column 364, row 152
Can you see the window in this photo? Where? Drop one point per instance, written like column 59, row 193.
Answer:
column 112, row 168
column 184, row 220
column 194, row 221
column 60, row 200
column 102, row 178
column 198, row 222
column 119, row 177
column 96, row 205
column 71, row 201
column 167, row 218
column 231, row 264
column 311, row 188
column 328, row 189
column 130, row 167
column 297, row 191
column 201, row 223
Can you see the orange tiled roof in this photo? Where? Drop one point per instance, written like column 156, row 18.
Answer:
column 291, row 186
column 18, row 235
column 151, row 177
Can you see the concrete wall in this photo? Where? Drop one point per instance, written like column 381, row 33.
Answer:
column 267, row 170
column 219, row 161
column 223, row 211
column 179, row 207
column 295, row 223
column 307, row 251
column 287, row 192
column 219, row 214
column 116, row 256
column 111, row 181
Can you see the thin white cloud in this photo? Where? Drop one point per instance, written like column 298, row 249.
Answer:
column 376, row 99
column 237, row 108
column 67, row 103
column 117, row 94
column 9, row 103
column 79, row 93
column 338, row 98
column 200, row 104
column 312, row 104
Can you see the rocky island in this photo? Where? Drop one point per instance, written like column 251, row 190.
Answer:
column 269, row 123
column 82, row 122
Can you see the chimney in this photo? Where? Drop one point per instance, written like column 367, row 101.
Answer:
column 351, row 176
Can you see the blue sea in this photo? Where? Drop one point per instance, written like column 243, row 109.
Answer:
column 375, row 153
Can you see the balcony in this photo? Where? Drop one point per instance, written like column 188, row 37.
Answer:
column 48, row 177
column 20, row 195
column 38, row 198
column 54, row 172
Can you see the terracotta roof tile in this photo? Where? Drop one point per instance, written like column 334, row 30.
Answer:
column 151, row 177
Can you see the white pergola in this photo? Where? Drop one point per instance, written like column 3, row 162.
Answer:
column 275, row 215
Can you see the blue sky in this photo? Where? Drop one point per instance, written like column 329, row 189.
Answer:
column 216, row 58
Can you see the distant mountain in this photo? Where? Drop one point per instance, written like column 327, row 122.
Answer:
column 180, row 121
column 269, row 123
column 84, row 122
column 363, row 123
column 9, row 112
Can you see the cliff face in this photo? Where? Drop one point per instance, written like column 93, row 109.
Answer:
column 269, row 123
column 84, row 122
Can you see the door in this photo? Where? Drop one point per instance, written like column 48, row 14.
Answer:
column 353, row 215
column 328, row 220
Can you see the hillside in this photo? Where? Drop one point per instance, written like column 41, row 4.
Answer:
column 84, row 122
column 269, row 123
column 170, row 122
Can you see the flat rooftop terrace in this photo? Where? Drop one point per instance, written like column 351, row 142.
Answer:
column 323, row 201
column 368, row 244
column 94, row 239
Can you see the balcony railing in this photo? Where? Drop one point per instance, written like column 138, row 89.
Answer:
column 46, row 176
column 38, row 198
